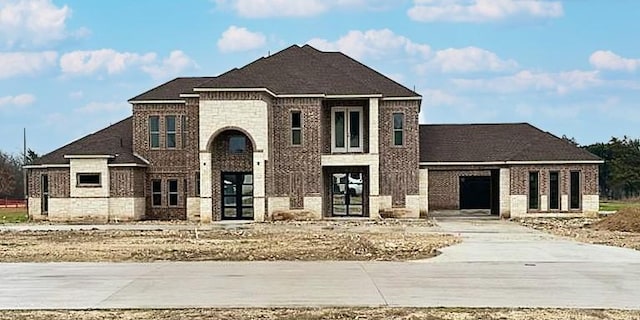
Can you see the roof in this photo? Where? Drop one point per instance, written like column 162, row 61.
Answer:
column 495, row 143
column 171, row 90
column 115, row 140
column 294, row 70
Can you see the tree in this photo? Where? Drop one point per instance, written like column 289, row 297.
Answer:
column 620, row 173
column 7, row 175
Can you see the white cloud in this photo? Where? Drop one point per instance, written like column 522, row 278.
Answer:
column 297, row 8
column 19, row 100
column 236, row 39
column 437, row 97
column 561, row 82
column 373, row 43
column 469, row 59
column 176, row 63
column 34, row 22
column 109, row 60
column 482, row 10
column 104, row 107
column 607, row 60
column 25, row 63
column 76, row 94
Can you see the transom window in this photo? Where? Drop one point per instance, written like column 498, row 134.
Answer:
column 237, row 144
column 154, row 131
column 296, row 128
column 170, row 122
column 88, row 179
column 398, row 129
column 346, row 133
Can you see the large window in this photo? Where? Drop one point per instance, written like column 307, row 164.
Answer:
column 154, row 131
column 534, row 190
column 398, row 129
column 346, row 133
column 156, row 193
column 296, row 128
column 575, row 190
column 88, row 180
column 554, row 190
column 173, row 193
column 170, row 123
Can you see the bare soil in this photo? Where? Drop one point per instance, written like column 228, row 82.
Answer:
column 621, row 229
column 268, row 241
column 328, row 313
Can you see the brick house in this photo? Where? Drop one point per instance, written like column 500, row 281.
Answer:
column 303, row 132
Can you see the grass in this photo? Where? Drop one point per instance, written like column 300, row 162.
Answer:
column 13, row 215
column 615, row 205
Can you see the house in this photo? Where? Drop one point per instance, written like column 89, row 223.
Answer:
column 304, row 132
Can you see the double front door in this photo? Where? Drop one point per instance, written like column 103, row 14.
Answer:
column 237, row 196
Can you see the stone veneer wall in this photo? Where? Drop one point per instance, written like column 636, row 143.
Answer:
column 399, row 176
column 181, row 163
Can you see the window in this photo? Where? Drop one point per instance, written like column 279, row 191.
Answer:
column 44, row 185
column 575, row 190
column 398, row 129
column 88, row 179
column 554, row 190
column 183, row 128
column 173, row 193
column 198, row 183
column 237, row 144
column 346, row 133
column 534, row 190
column 156, row 193
column 170, row 123
column 154, row 131
column 296, row 128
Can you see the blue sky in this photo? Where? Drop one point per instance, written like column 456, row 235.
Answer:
column 67, row 68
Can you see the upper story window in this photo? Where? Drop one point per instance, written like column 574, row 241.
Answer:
column 346, row 129
column 170, row 123
column 154, row 132
column 88, row 180
column 237, row 144
column 398, row 129
column 296, row 128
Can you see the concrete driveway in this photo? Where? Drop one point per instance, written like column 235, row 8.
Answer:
column 499, row 264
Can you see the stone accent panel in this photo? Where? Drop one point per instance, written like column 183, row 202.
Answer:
column 424, row 192
column 505, row 193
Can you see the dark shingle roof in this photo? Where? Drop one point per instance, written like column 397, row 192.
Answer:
column 306, row 70
column 495, row 142
column 171, row 90
column 114, row 140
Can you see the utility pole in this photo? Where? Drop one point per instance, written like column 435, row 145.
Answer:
column 24, row 163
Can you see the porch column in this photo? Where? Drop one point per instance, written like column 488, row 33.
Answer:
column 206, row 210
column 505, row 193
column 373, row 126
column 258, row 186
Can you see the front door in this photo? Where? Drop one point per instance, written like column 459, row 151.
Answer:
column 237, row 196
column 346, row 195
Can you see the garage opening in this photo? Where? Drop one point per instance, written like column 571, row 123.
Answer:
column 475, row 192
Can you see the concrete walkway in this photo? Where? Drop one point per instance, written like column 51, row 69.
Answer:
column 499, row 264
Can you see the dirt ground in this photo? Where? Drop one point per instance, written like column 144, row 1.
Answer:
column 621, row 229
column 328, row 313
column 384, row 241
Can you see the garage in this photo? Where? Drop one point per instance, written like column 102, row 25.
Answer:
column 475, row 192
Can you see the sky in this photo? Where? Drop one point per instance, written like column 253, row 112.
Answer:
column 67, row 68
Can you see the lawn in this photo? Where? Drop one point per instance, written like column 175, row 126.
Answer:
column 13, row 215
column 615, row 205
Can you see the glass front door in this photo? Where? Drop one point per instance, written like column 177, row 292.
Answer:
column 237, row 196
column 346, row 195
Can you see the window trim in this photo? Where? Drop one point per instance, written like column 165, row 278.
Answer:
column 170, row 132
column 347, row 130
column 394, row 129
column 296, row 129
column 173, row 193
column 153, row 193
column 88, row 185
column 152, row 133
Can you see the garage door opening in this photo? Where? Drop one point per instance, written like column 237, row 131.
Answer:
column 475, row 192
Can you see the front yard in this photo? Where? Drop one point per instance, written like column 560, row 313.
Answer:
column 382, row 240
